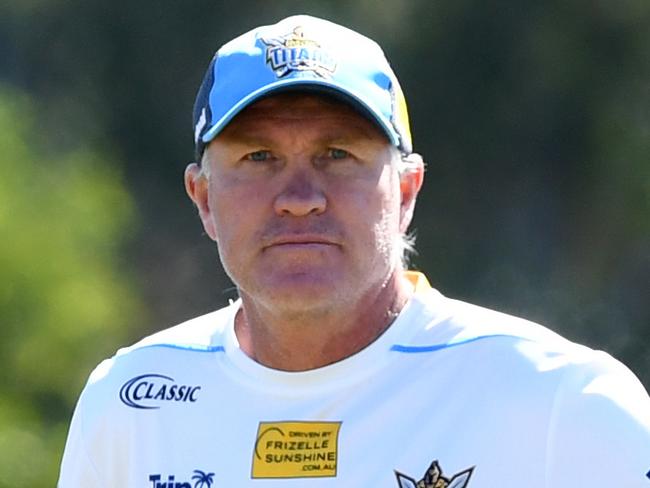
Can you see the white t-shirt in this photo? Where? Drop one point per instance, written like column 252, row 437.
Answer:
column 451, row 395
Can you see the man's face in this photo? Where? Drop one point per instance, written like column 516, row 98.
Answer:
column 303, row 197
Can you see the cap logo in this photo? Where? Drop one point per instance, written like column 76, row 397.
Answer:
column 295, row 52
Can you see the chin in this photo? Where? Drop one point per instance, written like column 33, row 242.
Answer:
column 305, row 291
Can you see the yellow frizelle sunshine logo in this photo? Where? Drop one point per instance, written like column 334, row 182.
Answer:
column 296, row 450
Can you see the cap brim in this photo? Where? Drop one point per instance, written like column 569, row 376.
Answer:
column 310, row 85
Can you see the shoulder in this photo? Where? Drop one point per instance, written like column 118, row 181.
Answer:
column 593, row 409
column 175, row 357
column 502, row 344
column 200, row 333
column 446, row 323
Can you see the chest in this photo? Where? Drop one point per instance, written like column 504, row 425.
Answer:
column 390, row 431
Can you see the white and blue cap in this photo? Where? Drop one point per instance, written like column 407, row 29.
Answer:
column 300, row 53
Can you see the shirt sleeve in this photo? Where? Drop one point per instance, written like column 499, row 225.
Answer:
column 77, row 468
column 599, row 433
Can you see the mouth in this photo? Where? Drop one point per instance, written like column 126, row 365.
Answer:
column 301, row 241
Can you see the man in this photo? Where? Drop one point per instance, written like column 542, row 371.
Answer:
column 337, row 367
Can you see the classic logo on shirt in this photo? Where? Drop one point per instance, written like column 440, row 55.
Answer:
column 201, row 479
column 434, row 478
column 296, row 450
column 147, row 391
column 296, row 52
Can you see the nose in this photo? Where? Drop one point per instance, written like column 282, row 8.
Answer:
column 301, row 196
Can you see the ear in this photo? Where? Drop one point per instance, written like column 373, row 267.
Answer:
column 198, row 189
column 411, row 177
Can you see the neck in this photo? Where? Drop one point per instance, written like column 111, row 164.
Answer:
column 312, row 339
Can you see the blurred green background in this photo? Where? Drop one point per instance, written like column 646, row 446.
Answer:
column 534, row 118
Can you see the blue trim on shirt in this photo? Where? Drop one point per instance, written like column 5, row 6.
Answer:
column 196, row 348
column 394, row 347
column 438, row 347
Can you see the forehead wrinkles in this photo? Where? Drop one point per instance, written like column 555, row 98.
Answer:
column 293, row 111
column 318, row 128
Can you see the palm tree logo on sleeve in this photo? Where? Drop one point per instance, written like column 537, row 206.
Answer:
column 434, row 478
column 202, row 480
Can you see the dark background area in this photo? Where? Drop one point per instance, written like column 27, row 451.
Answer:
column 533, row 118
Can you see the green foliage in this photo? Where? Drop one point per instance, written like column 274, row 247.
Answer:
column 64, row 302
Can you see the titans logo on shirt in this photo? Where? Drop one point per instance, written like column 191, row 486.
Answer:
column 434, row 478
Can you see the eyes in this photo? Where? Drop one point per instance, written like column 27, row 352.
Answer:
column 254, row 159
column 258, row 156
column 332, row 153
column 336, row 153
